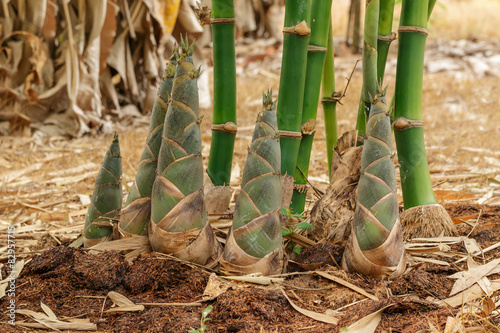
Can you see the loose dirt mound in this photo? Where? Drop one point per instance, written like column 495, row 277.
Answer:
column 74, row 283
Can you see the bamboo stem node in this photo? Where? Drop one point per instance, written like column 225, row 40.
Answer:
column 316, row 48
column 403, row 123
column 301, row 29
column 309, row 127
column 411, row 28
column 387, row 38
column 290, row 134
column 228, row 127
column 223, row 20
column 301, row 188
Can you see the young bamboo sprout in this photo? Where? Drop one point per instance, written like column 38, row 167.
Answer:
column 254, row 243
column 423, row 216
column 375, row 247
column 224, row 110
column 106, row 201
column 179, row 223
column 320, row 19
column 292, row 82
column 135, row 215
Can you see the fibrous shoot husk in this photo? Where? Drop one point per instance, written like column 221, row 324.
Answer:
column 106, row 201
column 254, row 242
column 427, row 221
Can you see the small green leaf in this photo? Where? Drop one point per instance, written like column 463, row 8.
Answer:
column 297, row 250
column 206, row 311
column 285, row 211
column 285, row 231
column 300, row 216
column 303, row 225
column 193, row 331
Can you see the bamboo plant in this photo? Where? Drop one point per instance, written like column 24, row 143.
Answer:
column 254, row 242
column 329, row 101
column 292, row 82
column 137, row 211
column 320, row 19
column 385, row 36
column 422, row 216
column 106, row 201
column 375, row 247
column 224, row 109
column 179, row 223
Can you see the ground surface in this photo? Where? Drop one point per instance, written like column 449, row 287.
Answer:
column 45, row 184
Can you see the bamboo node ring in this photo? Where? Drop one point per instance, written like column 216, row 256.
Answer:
column 290, row 134
column 403, row 123
column 410, row 28
column 301, row 29
column 228, row 127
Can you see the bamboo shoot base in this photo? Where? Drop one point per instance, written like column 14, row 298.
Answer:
column 427, row 221
column 247, row 264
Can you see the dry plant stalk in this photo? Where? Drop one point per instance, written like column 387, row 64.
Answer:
column 254, row 242
column 179, row 223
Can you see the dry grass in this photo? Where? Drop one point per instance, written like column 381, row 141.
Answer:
column 451, row 19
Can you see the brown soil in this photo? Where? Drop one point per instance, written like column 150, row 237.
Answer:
column 74, row 283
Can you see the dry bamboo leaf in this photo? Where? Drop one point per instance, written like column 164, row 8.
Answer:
column 468, row 278
column 459, row 219
column 215, row 287
column 346, row 284
column 485, row 285
column 471, row 246
column 433, row 261
column 108, row 33
column 255, row 279
column 369, row 323
column 123, row 303
column 48, row 311
column 468, row 295
column 488, row 306
column 311, row 314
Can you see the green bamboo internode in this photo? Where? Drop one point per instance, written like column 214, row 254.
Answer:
column 135, row 215
column 369, row 61
column 224, row 109
column 422, row 217
column 320, row 19
column 179, row 223
column 254, row 242
column 375, row 247
column 329, row 101
column 106, row 201
column 292, row 81
column 385, row 36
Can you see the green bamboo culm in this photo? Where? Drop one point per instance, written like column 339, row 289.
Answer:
column 224, row 109
column 106, row 201
column 422, row 217
column 385, row 36
column 292, row 81
column 329, row 101
column 254, row 243
column 320, row 19
column 369, row 61
column 375, row 247
column 179, row 223
column 135, row 215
